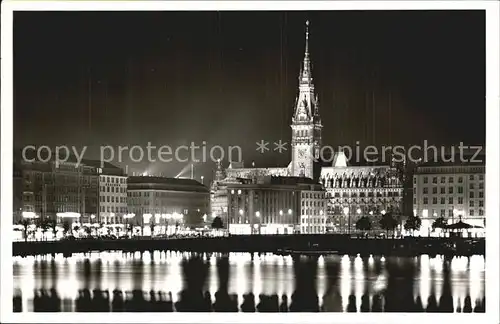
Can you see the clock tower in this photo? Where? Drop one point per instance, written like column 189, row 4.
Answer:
column 306, row 122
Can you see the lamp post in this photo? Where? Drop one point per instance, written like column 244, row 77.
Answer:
column 257, row 215
column 425, row 215
column 281, row 220
column 127, row 217
column 31, row 216
column 348, row 215
column 145, row 219
column 92, row 217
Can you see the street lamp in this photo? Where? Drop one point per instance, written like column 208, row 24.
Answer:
column 202, row 177
column 383, row 212
column 145, row 220
column 127, row 217
column 425, row 214
column 281, row 212
column 257, row 226
column 289, row 212
column 348, row 215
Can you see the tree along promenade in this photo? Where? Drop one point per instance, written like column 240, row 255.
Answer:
column 281, row 244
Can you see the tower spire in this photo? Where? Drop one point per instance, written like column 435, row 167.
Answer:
column 307, row 39
column 306, row 76
column 306, row 123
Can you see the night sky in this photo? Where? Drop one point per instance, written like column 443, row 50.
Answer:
column 230, row 78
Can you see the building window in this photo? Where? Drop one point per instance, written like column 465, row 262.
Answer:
column 450, row 190
column 443, row 180
column 481, row 177
column 443, row 212
column 460, row 179
column 471, row 186
column 414, row 201
column 481, row 212
column 481, row 194
column 460, row 200
column 443, row 190
column 450, row 180
column 471, row 212
column 471, row 194
column 460, row 190
column 481, row 185
column 471, row 203
column 471, row 177
column 450, row 200
column 426, row 179
column 435, row 190
column 425, row 200
column 434, row 200
column 414, row 180
column 481, row 203
column 443, row 200
column 450, row 212
column 425, row 190
column 434, row 180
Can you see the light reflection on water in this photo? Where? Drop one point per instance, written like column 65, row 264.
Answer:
column 335, row 278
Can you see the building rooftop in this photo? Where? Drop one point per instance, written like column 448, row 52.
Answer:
column 290, row 180
column 457, row 161
column 31, row 155
column 164, row 183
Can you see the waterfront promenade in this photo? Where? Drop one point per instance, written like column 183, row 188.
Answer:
column 279, row 244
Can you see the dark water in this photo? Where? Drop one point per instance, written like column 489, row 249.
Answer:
column 170, row 281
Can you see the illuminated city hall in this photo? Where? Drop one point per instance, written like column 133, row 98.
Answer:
column 314, row 196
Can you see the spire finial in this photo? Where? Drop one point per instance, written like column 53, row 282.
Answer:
column 307, row 37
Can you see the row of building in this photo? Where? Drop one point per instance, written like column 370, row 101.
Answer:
column 102, row 194
column 252, row 201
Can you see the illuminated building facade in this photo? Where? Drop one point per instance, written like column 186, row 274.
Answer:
column 112, row 195
column 313, row 210
column 274, row 205
column 48, row 189
column 150, row 199
column 454, row 191
column 357, row 191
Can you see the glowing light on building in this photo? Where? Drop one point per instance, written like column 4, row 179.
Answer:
column 29, row 215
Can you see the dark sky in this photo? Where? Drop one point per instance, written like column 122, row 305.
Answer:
column 230, row 78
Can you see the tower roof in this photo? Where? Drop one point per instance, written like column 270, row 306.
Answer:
column 306, row 72
column 340, row 160
column 306, row 105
